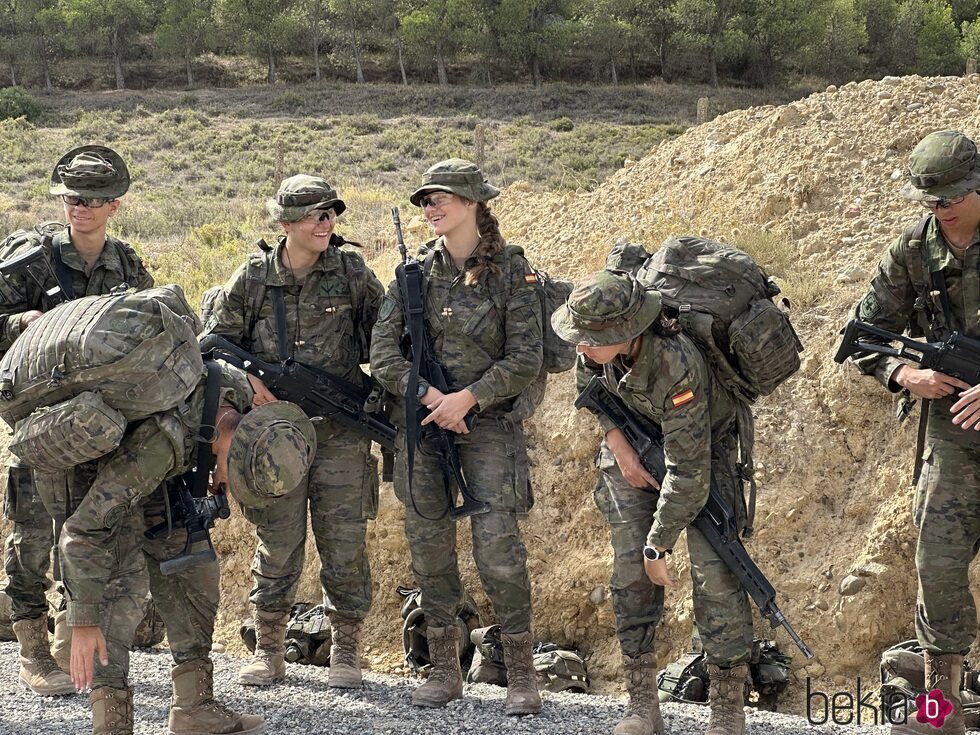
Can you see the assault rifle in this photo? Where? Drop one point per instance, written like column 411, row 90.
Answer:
column 196, row 515
column 958, row 356
column 417, row 347
column 716, row 521
column 35, row 265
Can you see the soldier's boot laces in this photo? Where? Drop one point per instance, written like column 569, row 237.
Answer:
column 39, row 672
column 61, row 644
column 195, row 711
column 445, row 682
column 945, row 673
column 268, row 665
column 642, row 716
column 112, row 711
column 522, row 682
column 345, row 659
column 727, row 700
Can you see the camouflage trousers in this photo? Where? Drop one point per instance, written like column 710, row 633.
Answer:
column 947, row 515
column 340, row 494
column 494, row 461
column 722, row 612
column 27, row 549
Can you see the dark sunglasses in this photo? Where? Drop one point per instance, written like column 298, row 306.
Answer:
column 319, row 215
column 90, row 202
column 434, row 201
column 942, row 203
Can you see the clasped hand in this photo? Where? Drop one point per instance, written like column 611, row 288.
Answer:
column 448, row 410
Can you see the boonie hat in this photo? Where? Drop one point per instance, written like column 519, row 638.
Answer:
column 457, row 176
column 90, row 171
column 607, row 308
column 942, row 166
column 301, row 194
column 270, row 453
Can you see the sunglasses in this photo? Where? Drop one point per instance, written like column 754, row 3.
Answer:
column 90, row 202
column 319, row 215
column 942, row 203
column 435, row 201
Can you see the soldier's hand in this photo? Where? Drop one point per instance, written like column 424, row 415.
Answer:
column 629, row 461
column 929, row 384
column 86, row 641
column 449, row 410
column 262, row 394
column 967, row 409
column 28, row 317
column 657, row 572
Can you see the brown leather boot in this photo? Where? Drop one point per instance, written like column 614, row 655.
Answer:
column 112, row 711
column 38, row 670
column 61, row 643
column 522, row 681
column 945, row 673
column 727, row 700
column 642, row 715
column 345, row 659
column 195, row 711
column 445, row 682
column 268, row 665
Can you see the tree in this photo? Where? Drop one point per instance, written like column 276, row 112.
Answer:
column 703, row 25
column 437, row 30
column 778, row 34
column 837, row 52
column 356, row 18
column 534, row 32
column 184, row 28
column 607, row 32
column 314, row 14
column 264, row 28
column 928, row 25
column 107, row 24
column 970, row 45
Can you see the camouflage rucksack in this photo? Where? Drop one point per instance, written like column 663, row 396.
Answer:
column 414, row 641
column 560, row 669
column 307, row 635
column 207, row 302
column 903, row 679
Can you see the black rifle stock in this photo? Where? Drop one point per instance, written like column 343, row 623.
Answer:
column 33, row 264
column 715, row 521
column 411, row 280
column 196, row 515
column 958, row 356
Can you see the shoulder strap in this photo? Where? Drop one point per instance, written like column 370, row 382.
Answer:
column 205, row 457
column 256, row 275
column 61, row 273
column 279, row 308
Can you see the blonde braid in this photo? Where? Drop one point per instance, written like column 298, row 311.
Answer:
column 491, row 243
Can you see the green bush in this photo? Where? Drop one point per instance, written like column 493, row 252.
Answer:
column 562, row 125
column 15, row 102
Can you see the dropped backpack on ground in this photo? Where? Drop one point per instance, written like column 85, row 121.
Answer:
column 71, row 382
column 558, row 669
column 414, row 640
column 903, row 671
column 307, row 635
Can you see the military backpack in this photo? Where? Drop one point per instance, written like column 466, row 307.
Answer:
column 558, row 669
column 307, row 635
column 903, row 673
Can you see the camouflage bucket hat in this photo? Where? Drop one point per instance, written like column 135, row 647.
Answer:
column 301, row 194
column 457, row 177
column 90, row 171
column 270, row 453
column 607, row 308
column 942, row 166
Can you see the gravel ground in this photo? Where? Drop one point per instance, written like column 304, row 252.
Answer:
column 306, row 706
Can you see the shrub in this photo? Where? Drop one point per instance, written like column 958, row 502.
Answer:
column 563, row 125
column 15, row 102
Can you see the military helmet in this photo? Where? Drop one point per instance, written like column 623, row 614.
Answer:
column 90, row 171
column 270, row 453
column 942, row 166
column 456, row 176
column 607, row 308
column 301, row 194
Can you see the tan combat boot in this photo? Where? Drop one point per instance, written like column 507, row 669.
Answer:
column 194, row 710
column 642, row 715
column 112, row 711
column 38, row 670
column 445, row 682
column 727, row 700
column 345, row 659
column 522, row 681
column 268, row 666
column 945, row 673
column 61, row 644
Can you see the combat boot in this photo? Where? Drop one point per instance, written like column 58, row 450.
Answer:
column 727, row 700
column 194, row 710
column 112, row 711
column 38, row 670
column 61, row 644
column 268, row 665
column 945, row 673
column 445, row 682
column 522, row 681
column 345, row 659
column 642, row 715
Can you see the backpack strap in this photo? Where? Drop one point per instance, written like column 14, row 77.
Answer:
column 256, row 275
column 279, row 309
column 205, row 455
column 355, row 273
column 924, row 281
column 61, row 273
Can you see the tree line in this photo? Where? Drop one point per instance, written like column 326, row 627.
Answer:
column 755, row 42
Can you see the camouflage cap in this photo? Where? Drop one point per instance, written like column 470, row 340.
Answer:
column 456, row 176
column 607, row 308
column 270, row 453
column 942, row 166
column 301, row 194
column 90, row 171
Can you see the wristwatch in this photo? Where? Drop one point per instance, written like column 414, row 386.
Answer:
column 422, row 389
column 649, row 552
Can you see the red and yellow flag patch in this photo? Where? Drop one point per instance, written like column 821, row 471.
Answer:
column 681, row 398
column 530, row 278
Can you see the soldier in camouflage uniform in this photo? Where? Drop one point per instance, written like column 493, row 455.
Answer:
column 328, row 300
column 928, row 283
column 484, row 319
column 90, row 180
column 661, row 374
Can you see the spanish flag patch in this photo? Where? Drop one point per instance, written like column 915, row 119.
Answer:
column 683, row 397
column 530, row 278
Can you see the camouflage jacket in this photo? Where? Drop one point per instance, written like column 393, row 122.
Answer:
column 891, row 301
column 162, row 446
column 118, row 264
column 671, row 384
column 495, row 355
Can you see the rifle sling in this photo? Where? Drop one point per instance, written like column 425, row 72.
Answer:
column 205, row 457
column 920, row 439
column 279, row 308
column 61, row 273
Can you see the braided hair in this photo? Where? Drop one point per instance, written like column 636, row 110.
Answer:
column 491, row 243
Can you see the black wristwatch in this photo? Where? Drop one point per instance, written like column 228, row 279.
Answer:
column 649, row 552
column 422, row 389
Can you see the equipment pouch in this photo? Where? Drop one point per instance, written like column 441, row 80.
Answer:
column 766, row 346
